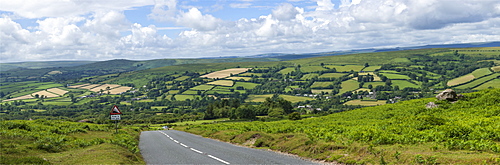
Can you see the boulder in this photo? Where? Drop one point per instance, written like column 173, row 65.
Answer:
column 448, row 94
column 431, row 105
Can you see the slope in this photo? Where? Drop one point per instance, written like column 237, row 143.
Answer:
column 465, row 132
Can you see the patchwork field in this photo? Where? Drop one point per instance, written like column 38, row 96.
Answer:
column 346, row 68
column 90, row 86
column 119, row 90
column 78, row 86
column 222, row 83
column 104, row 87
column 246, row 85
column 182, row 78
column 469, row 77
column 496, row 68
column 226, row 73
column 495, row 83
column 348, row 85
column 321, row 84
column 57, row 91
column 371, row 68
column 317, row 91
column 308, row 69
column 239, row 78
column 262, row 98
column 332, row 75
column 286, row 70
column 202, row 87
column 309, row 76
column 21, row 98
column 45, row 93
column 480, row 81
column 365, row 102
column 393, row 76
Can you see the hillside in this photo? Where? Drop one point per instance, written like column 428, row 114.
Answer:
column 465, row 132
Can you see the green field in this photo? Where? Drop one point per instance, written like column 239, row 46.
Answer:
column 309, row 69
column 348, row 85
column 317, row 91
column 246, row 85
column 318, row 85
column 365, row 102
column 374, row 84
column 239, row 78
column 495, row 83
column 190, row 92
column 250, row 74
column 371, row 68
column 481, row 72
column 262, row 98
column 346, row 68
column 286, row 70
column 332, row 75
column 309, row 76
column 185, row 97
column 404, row 83
column 393, row 76
column 460, row 80
column 479, row 81
column 400, row 60
column 202, row 87
column 182, row 78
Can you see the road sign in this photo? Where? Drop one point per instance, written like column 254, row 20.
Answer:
column 115, row 111
column 115, row 117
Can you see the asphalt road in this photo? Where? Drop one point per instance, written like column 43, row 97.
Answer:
column 177, row 147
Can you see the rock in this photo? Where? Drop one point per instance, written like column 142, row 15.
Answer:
column 448, row 94
column 431, row 105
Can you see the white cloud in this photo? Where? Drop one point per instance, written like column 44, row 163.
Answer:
column 240, row 5
column 105, row 33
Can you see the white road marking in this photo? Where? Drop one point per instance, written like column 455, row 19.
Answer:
column 216, row 158
column 183, row 145
column 195, row 150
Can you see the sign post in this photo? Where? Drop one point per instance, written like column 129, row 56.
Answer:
column 115, row 115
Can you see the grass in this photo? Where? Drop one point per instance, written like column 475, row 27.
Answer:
column 346, row 68
column 332, row 75
column 348, row 85
column 190, row 92
column 308, row 69
column 251, row 74
column 99, row 154
column 286, row 70
column 317, row 91
column 371, row 68
column 226, row 73
column 222, row 83
column 309, row 76
column 400, row 60
column 202, row 87
column 182, row 78
column 404, row 83
column 185, row 97
column 393, row 76
column 365, row 102
column 321, row 84
column 481, row 72
column 495, row 83
column 262, row 98
column 239, row 78
column 479, row 81
column 460, row 80
column 246, row 85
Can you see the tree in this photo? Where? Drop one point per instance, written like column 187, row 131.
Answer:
column 367, row 65
column 276, row 112
column 294, row 116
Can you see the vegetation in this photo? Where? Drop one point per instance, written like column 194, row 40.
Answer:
column 464, row 132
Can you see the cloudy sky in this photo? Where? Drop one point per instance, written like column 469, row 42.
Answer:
column 50, row 30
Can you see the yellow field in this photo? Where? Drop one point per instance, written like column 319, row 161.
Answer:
column 496, row 68
column 57, row 91
column 222, row 83
column 90, row 86
column 365, row 103
column 460, row 80
column 375, row 77
column 226, row 73
column 45, row 93
column 21, row 98
column 55, row 72
column 239, row 78
column 119, row 90
column 104, row 87
column 78, row 86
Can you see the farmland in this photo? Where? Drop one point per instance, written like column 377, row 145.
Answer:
column 226, row 73
column 365, row 102
column 262, row 98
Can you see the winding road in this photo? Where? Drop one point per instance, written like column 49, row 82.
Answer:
column 177, row 147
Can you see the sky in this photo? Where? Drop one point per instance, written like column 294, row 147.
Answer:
column 96, row 30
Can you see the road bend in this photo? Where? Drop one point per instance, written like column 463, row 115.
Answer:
column 177, row 147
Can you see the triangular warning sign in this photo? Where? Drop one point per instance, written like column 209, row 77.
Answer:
column 115, row 111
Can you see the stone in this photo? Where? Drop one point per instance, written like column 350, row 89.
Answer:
column 431, row 105
column 448, row 94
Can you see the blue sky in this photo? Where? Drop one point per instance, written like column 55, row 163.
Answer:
column 55, row 30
